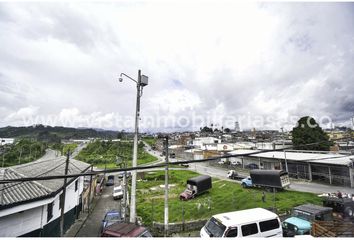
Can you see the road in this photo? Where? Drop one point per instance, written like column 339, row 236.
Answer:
column 92, row 226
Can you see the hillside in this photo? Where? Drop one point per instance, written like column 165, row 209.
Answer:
column 54, row 134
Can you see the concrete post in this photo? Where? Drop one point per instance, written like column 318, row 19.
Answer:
column 310, row 172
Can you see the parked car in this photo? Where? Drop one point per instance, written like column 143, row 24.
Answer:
column 110, row 180
column 118, row 192
column 121, row 174
column 235, row 162
column 125, row 230
column 111, row 217
column 252, row 166
column 184, row 164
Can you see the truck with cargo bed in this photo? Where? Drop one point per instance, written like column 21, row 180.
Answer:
column 267, row 178
column 195, row 186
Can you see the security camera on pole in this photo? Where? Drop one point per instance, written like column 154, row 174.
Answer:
column 142, row 82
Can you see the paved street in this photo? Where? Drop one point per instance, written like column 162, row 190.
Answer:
column 92, row 226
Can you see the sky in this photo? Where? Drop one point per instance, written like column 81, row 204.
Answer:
column 262, row 64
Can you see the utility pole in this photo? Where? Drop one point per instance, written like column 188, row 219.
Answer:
column 125, row 192
column 166, row 187
column 90, row 190
column 135, row 153
column 62, row 202
column 286, row 163
column 140, row 83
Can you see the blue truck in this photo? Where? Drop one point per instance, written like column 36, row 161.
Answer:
column 266, row 178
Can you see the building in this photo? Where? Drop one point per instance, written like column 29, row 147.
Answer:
column 205, row 143
column 4, row 141
column 310, row 165
column 237, row 127
column 32, row 209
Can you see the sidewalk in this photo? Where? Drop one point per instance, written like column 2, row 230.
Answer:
column 75, row 228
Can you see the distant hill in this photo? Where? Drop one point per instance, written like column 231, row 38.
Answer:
column 54, row 134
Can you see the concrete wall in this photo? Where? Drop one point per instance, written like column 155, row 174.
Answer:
column 22, row 222
column 158, row 228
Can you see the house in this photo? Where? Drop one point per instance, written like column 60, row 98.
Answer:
column 4, row 141
column 32, row 209
column 205, row 143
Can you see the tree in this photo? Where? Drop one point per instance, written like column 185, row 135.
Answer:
column 206, row 129
column 308, row 131
column 227, row 130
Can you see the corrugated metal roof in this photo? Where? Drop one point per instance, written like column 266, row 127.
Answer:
column 11, row 193
column 322, row 158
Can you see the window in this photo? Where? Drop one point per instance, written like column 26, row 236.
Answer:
column 249, row 229
column 49, row 211
column 232, row 233
column 76, row 185
column 269, row 225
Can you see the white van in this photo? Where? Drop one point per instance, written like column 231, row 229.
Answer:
column 256, row 222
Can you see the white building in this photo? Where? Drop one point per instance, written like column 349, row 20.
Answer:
column 200, row 143
column 237, row 127
column 4, row 141
column 32, row 209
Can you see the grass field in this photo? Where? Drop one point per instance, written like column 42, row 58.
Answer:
column 224, row 196
column 98, row 153
column 150, row 140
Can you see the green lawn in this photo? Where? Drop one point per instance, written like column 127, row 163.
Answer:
column 71, row 147
column 224, row 196
column 150, row 140
column 99, row 152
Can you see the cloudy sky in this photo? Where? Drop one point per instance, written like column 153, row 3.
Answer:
column 262, row 64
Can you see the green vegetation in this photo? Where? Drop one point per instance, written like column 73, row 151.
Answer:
column 63, row 148
column 224, row 196
column 54, row 134
column 100, row 152
column 308, row 131
column 23, row 151
column 150, row 140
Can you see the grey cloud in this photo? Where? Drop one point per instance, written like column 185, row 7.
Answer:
column 311, row 46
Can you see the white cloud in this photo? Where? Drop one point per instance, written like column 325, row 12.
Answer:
column 230, row 59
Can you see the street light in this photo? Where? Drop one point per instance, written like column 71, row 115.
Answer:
column 140, row 83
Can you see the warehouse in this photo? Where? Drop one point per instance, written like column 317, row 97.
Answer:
column 324, row 167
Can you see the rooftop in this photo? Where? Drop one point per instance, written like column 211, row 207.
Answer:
column 323, row 158
column 11, row 193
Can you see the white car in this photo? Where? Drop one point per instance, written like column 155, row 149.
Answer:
column 117, row 192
